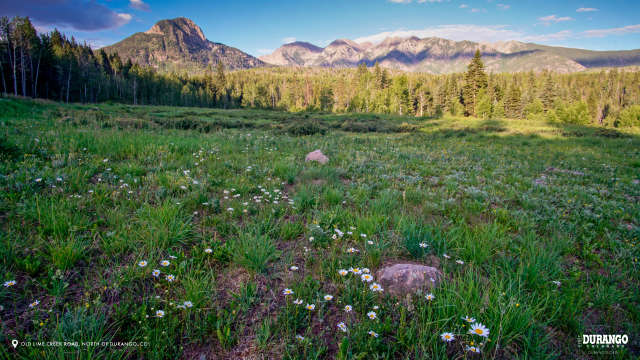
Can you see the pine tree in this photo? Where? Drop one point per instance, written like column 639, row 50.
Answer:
column 475, row 79
column 513, row 105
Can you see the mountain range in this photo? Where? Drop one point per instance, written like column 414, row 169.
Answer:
column 438, row 56
column 180, row 45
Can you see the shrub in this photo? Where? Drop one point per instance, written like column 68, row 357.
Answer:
column 629, row 117
column 302, row 127
column 254, row 252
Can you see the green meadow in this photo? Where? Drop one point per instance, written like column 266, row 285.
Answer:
column 144, row 232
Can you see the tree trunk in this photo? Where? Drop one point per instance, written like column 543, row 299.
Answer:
column 22, row 72
column 69, row 81
column 4, row 83
column 35, row 85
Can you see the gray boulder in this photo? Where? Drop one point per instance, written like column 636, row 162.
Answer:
column 403, row 279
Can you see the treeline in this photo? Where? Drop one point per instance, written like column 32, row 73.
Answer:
column 52, row 66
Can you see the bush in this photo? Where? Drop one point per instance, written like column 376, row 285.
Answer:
column 254, row 252
column 576, row 113
column 302, row 127
column 629, row 117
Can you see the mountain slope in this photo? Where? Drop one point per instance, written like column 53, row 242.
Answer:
column 437, row 55
column 180, row 45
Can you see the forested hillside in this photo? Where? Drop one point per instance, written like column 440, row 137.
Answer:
column 55, row 67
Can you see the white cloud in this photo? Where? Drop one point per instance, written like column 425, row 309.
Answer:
column 629, row 29
column 124, row 18
column 452, row 32
column 560, row 35
column 288, row 40
column 139, row 5
column 504, row 6
column 463, row 6
column 582, row 9
column 554, row 19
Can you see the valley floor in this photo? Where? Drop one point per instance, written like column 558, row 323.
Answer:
column 180, row 231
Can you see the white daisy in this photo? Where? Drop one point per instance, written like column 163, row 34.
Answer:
column 342, row 327
column 297, row 301
column 155, row 273
column 287, row 291
column 165, row 263
column 208, row 250
column 423, row 245
column 373, row 333
column 160, row 313
column 366, row 277
column 468, row 319
column 342, row 272
column 479, row 329
column 9, row 283
column 375, row 287
column 34, row 304
column 310, row 307
column 293, row 268
column 142, row 263
column 447, row 337
column 430, row 297
column 188, row 304
column 328, row 297
column 170, row 278
column 372, row 315
column 348, row 308
column 473, row 349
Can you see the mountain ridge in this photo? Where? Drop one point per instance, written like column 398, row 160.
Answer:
column 180, row 45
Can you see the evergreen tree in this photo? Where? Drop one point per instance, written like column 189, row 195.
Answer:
column 475, row 80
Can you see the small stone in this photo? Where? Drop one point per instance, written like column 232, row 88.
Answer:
column 402, row 279
column 317, row 156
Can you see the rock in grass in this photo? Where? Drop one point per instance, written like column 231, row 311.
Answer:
column 317, row 156
column 402, row 279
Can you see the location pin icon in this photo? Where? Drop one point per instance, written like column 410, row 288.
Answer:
column 14, row 342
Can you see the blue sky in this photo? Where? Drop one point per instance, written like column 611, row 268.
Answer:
column 260, row 26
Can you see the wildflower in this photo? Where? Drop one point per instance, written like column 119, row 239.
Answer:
column 188, row 304
column 423, row 245
column 369, row 242
column 172, row 257
column 363, row 235
column 293, row 268
column 356, row 271
column 376, row 307
column 375, row 287
column 300, row 337
column 208, row 250
column 297, row 301
column 34, row 304
column 468, row 319
column 342, row 327
column 556, row 282
column 38, row 179
column 447, row 337
column 352, row 250
column 446, row 256
column 165, row 263
column 230, row 209
column 460, row 262
column 430, row 297
column 155, row 273
column 365, row 270
column 366, row 277
column 479, row 329
column 372, row 315
column 9, row 283
column 328, row 297
column 373, row 333
column 473, row 349
column 170, row 278
column 142, row 263
column 310, row 307
column 342, row 272
column 287, row 291
column 181, row 307
column 348, row 308
column 160, row 313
